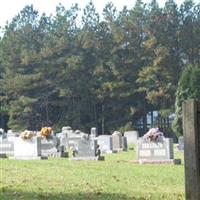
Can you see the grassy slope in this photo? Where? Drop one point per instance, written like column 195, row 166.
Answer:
column 114, row 178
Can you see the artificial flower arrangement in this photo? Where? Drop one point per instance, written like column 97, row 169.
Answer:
column 153, row 135
column 46, row 131
column 25, row 135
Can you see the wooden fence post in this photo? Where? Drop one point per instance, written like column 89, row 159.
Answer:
column 191, row 132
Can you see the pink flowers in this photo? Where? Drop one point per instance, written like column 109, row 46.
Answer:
column 153, row 134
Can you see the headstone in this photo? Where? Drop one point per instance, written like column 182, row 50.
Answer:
column 181, row 143
column 155, row 150
column 73, row 138
column 93, row 132
column 6, row 147
column 117, row 141
column 49, row 147
column 27, row 149
column 87, row 150
column 72, row 144
column 11, row 137
column 124, row 144
column 64, row 137
column 62, row 152
column 105, row 143
column 132, row 136
column 2, row 134
column 69, row 131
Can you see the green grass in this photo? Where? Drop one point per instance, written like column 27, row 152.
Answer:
column 113, row 179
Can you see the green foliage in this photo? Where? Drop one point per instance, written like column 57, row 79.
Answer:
column 57, row 71
column 188, row 88
column 127, row 127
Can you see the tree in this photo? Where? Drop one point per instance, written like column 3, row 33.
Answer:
column 188, row 88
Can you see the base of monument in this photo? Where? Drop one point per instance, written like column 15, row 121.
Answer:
column 29, row 157
column 167, row 161
column 125, row 150
column 109, row 152
column 56, row 155
column 117, row 150
column 89, row 158
column 3, row 155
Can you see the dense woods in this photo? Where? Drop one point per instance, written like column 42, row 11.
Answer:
column 106, row 70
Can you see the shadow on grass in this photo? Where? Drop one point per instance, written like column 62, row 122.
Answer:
column 9, row 194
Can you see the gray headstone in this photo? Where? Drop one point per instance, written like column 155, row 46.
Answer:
column 181, row 143
column 132, row 136
column 105, row 143
column 117, row 141
column 49, row 146
column 86, row 148
column 7, row 147
column 64, row 137
column 124, row 144
column 93, row 132
column 151, row 150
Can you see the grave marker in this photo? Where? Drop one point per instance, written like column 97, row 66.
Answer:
column 105, row 143
column 151, row 150
column 181, row 143
column 117, row 141
column 87, row 150
column 124, row 144
column 27, row 149
column 132, row 137
column 6, row 147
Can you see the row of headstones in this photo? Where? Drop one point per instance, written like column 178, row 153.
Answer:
column 92, row 145
column 87, row 147
column 57, row 145
column 159, row 151
column 36, row 147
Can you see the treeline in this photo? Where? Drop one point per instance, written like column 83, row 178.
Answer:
column 109, row 72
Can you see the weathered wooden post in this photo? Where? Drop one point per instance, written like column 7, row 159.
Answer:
column 191, row 132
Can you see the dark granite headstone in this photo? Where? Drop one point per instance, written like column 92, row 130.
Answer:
column 124, row 144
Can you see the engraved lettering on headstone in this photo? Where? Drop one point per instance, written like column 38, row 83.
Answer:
column 159, row 152
column 145, row 153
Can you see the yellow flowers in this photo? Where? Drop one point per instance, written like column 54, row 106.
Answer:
column 46, row 131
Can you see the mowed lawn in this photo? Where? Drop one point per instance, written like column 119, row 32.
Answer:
column 115, row 178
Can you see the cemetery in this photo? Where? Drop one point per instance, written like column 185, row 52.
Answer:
column 100, row 105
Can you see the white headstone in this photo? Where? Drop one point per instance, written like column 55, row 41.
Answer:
column 30, row 148
column 132, row 137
